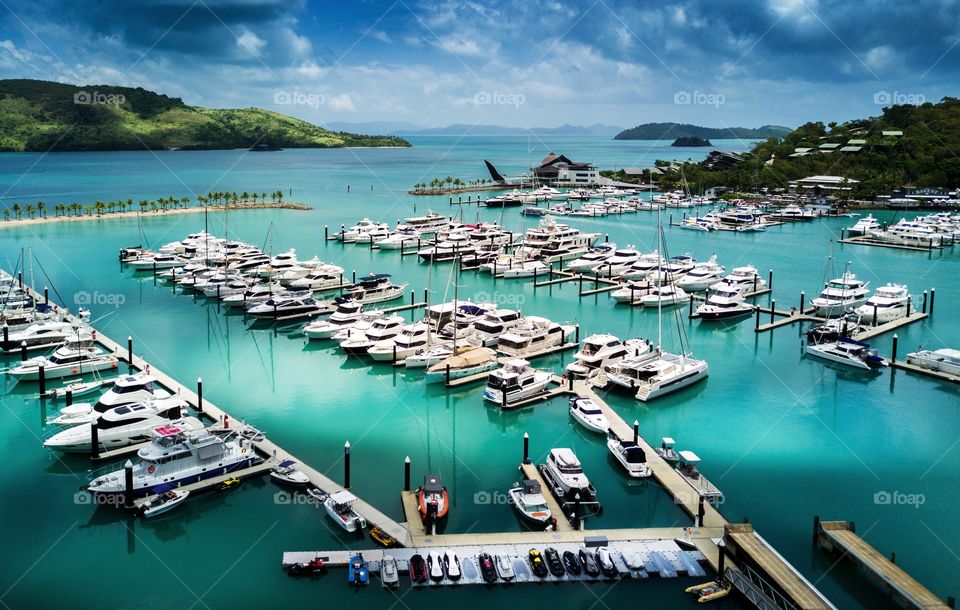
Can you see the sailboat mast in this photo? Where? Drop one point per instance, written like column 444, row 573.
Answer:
column 659, row 282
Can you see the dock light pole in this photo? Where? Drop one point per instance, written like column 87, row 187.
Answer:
column 636, row 431
column 406, row 474
column 346, row 465
column 94, row 440
column 199, row 395
column 42, row 378
column 128, row 484
column 526, row 448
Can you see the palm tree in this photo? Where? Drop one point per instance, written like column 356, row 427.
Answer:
column 185, row 201
column 6, row 214
column 58, row 209
column 31, row 210
column 112, row 206
column 457, row 182
column 17, row 210
column 89, row 209
column 280, row 195
column 263, row 197
column 99, row 207
column 42, row 208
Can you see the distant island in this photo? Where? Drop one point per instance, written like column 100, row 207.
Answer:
column 665, row 131
column 41, row 116
column 688, row 141
column 469, row 129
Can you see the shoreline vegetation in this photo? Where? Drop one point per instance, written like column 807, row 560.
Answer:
column 37, row 213
column 44, row 116
column 454, row 186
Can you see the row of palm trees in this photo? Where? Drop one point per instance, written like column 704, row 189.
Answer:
column 144, row 205
column 455, row 183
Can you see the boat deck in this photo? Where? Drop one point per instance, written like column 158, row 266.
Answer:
column 876, row 331
column 839, row 536
column 866, row 240
column 913, row 368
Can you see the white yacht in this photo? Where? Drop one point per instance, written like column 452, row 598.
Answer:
column 285, row 306
column 527, row 498
column 622, row 260
column 864, row 226
column 667, row 373
column 363, row 231
column 257, row 293
column 471, row 362
column 412, row 339
column 632, row 291
column 630, row 455
column 533, row 335
column 745, row 279
column 565, row 474
column 603, row 350
column 40, row 335
column 375, row 288
column 494, row 323
column 553, row 242
column 723, row 303
column 382, row 329
column 702, row 276
column 593, row 258
column 664, row 296
column 847, row 352
column 121, row 426
column 942, row 360
column 180, row 455
column 909, row 233
column 526, row 268
column 348, row 312
column 841, row 294
column 401, row 238
column 65, row 361
column 318, row 281
column 429, row 223
column 126, row 389
column 588, row 414
column 644, row 266
column 157, row 261
column 516, row 380
column 888, row 303
column 339, row 507
column 441, row 349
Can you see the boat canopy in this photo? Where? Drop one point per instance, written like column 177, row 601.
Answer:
column 373, row 277
column 432, row 484
column 531, row 487
column 286, row 464
column 689, row 456
column 343, row 497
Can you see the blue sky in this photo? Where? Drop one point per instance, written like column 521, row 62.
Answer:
column 519, row 63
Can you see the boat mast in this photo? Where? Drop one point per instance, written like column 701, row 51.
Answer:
column 659, row 284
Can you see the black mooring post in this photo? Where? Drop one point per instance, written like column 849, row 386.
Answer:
column 816, row 529
column 199, row 395
column 636, row 431
column 346, row 465
column 924, row 308
column 406, row 474
column 130, row 350
column 526, row 448
column 893, row 356
column 23, row 351
column 94, row 440
column 69, row 399
column 42, row 379
column 773, row 308
column 128, row 484
column 933, row 295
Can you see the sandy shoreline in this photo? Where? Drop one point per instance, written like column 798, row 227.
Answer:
column 22, row 222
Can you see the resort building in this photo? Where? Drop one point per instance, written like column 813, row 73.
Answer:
column 558, row 170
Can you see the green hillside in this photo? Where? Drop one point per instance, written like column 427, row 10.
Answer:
column 668, row 131
column 42, row 115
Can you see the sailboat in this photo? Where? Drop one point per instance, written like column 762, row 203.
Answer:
column 667, row 372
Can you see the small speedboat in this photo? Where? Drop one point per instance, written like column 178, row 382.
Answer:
column 588, row 414
column 286, row 473
column 357, row 573
column 432, row 499
column 307, row 568
column 712, row 590
column 487, row 568
column 451, row 565
column 527, row 498
column 167, row 498
column 389, row 574
column 505, row 567
column 418, row 569
column 339, row 507
column 630, row 455
column 848, row 352
column 435, row 566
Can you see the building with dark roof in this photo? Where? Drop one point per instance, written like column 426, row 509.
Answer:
column 558, row 170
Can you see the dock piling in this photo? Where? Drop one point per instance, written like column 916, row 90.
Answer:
column 576, row 512
column 46, row 296
column 802, row 299
column 128, row 484
column 636, row 431
column 346, row 465
column 933, row 295
column 924, row 307
column 875, row 314
column 701, row 511
column 94, row 440
column 199, row 395
column 893, row 356
column 773, row 309
column 23, row 351
column 770, row 279
column 130, row 350
column 42, row 379
column 756, row 326
column 406, row 474
column 69, row 399
column 816, row 529
column 326, row 232
column 909, row 304
column 6, row 334
column 526, row 448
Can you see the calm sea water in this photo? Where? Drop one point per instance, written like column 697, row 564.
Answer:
column 785, row 437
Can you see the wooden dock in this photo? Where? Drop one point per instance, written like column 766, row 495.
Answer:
column 876, row 331
column 840, row 537
column 919, row 370
column 747, row 548
column 260, row 469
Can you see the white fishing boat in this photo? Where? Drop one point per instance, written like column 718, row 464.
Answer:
column 888, row 303
column 528, row 268
column 339, row 507
column 472, row 362
column 586, row 413
column 943, row 360
column 565, row 475
column 848, row 352
column 516, row 380
column 287, row 473
column 179, row 455
column 527, row 498
column 633, row 291
column 666, row 450
column 630, row 455
column 363, row 231
column 381, row 329
column 39, row 335
column 400, row 239
column 166, row 499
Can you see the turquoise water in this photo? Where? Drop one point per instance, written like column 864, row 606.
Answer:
column 785, row 437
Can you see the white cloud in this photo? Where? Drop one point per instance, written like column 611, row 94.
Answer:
column 464, row 46
column 879, row 58
column 380, row 35
column 340, row 103
column 251, row 43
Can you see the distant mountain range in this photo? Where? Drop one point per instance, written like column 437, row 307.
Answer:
column 461, row 129
column 670, row 131
column 45, row 116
